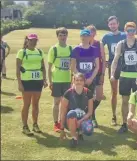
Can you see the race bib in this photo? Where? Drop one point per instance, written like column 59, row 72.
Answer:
column 87, row 66
column 113, row 48
column 65, row 63
column 130, row 57
column 80, row 113
column 35, row 75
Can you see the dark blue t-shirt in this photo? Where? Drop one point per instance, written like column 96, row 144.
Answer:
column 111, row 41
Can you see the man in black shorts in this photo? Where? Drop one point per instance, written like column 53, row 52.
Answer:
column 59, row 72
column 127, row 49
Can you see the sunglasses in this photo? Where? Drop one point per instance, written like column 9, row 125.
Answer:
column 131, row 30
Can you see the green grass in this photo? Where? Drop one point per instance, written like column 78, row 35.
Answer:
column 105, row 144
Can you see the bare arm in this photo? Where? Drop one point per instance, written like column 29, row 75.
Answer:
column 132, row 111
column 116, row 58
column 95, row 70
column 50, row 72
column 73, row 66
column 64, row 105
column 18, row 65
column 8, row 47
column 103, row 57
column 44, row 70
column 90, row 110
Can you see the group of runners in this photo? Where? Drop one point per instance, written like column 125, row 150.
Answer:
column 76, row 79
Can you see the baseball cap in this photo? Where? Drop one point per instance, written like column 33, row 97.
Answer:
column 32, row 36
column 85, row 32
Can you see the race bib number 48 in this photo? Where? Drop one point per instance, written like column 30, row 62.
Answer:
column 35, row 75
column 130, row 57
column 65, row 63
column 113, row 48
column 87, row 66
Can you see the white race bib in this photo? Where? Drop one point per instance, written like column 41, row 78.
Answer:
column 65, row 63
column 35, row 75
column 113, row 48
column 87, row 66
column 130, row 57
column 80, row 113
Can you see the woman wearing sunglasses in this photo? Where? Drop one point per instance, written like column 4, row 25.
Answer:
column 128, row 50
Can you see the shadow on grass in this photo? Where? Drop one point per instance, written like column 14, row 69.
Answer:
column 6, row 109
column 8, row 93
column 105, row 142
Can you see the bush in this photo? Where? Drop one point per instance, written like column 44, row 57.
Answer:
column 9, row 25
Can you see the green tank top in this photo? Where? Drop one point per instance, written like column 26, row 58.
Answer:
column 31, row 68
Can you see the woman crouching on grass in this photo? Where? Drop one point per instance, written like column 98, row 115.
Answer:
column 76, row 110
column 31, row 75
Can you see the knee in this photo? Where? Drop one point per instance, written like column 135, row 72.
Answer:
column 35, row 105
column 56, row 103
column 114, row 93
column 87, row 127
column 125, row 102
column 71, row 114
column 26, row 106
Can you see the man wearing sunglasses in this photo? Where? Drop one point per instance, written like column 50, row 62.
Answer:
column 127, row 49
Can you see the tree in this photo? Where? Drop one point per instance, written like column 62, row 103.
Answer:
column 6, row 3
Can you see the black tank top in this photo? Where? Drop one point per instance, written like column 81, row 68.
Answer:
column 129, row 57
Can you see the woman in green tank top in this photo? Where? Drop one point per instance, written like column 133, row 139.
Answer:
column 31, row 75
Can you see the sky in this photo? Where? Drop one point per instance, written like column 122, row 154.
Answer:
column 22, row 2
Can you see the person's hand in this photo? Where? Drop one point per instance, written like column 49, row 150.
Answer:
column 20, row 87
column 88, row 81
column 112, row 78
column 107, row 64
column 62, row 135
column 50, row 85
column 45, row 84
column 129, row 121
column 101, row 81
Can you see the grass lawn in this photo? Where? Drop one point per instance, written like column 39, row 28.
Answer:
column 104, row 144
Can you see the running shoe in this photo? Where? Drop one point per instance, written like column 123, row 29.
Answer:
column 27, row 131
column 114, row 121
column 123, row 129
column 95, row 124
column 73, row 143
column 57, row 127
column 36, row 128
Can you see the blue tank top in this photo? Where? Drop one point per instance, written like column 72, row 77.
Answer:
column 111, row 41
